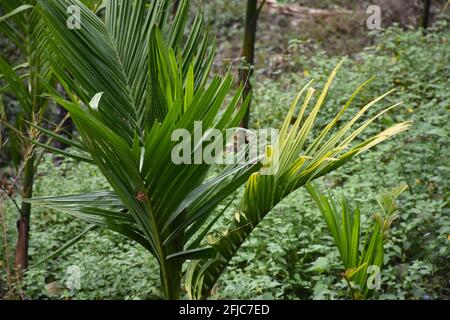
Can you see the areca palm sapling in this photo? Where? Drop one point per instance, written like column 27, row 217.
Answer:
column 137, row 87
column 135, row 115
column 26, row 82
column 362, row 257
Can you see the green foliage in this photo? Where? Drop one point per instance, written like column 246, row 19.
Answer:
column 290, row 255
column 112, row 267
column 160, row 86
column 28, row 78
column 403, row 59
column 359, row 255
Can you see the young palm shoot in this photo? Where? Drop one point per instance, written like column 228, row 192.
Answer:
column 362, row 257
column 26, row 81
column 131, row 90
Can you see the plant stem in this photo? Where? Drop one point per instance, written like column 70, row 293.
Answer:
column 248, row 52
column 171, row 279
column 350, row 287
column 23, row 224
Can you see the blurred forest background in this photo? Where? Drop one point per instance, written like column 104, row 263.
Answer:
column 290, row 256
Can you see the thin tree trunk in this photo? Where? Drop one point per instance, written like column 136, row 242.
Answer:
column 248, row 52
column 176, row 4
column 426, row 14
column 23, row 224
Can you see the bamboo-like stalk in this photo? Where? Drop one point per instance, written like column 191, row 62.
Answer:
column 23, row 224
column 248, row 52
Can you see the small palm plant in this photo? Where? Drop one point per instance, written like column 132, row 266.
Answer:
column 361, row 257
column 26, row 81
column 134, row 79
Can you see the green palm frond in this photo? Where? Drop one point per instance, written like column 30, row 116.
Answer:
column 388, row 205
column 111, row 56
column 102, row 209
column 386, row 200
column 298, row 158
column 29, row 79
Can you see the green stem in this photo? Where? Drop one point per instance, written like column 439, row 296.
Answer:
column 23, row 224
column 171, row 279
column 172, row 268
column 350, row 287
column 248, row 52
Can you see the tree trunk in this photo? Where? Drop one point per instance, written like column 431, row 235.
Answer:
column 23, row 224
column 176, row 4
column 426, row 14
column 248, row 53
